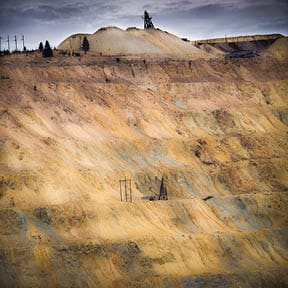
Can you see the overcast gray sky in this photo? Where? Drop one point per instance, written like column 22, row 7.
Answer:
column 54, row 20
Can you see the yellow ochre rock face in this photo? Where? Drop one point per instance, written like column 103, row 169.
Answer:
column 72, row 127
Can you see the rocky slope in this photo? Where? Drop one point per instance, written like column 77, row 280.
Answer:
column 72, row 127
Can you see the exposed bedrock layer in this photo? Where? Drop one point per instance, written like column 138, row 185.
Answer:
column 70, row 129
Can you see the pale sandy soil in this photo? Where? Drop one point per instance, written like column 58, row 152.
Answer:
column 278, row 49
column 115, row 41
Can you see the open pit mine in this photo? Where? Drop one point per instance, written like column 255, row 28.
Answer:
column 149, row 161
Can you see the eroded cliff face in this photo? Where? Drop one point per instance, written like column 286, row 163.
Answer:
column 71, row 128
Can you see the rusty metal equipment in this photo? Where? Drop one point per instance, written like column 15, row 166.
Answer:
column 163, row 191
column 125, row 190
column 163, row 195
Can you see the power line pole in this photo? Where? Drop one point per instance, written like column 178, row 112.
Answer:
column 23, row 41
column 8, row 41
column 0, row 43
column 15, row 40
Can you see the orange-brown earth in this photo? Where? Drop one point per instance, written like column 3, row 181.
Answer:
column 72, row 127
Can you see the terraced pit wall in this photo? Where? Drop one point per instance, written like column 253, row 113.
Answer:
column 71, row 128
column 266, row 37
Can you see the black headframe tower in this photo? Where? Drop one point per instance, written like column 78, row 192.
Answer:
column 125, row 190
column 147, row 21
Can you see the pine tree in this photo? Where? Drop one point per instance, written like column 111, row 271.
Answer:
column 47, row 51
column 85, row 45
column 40, row 48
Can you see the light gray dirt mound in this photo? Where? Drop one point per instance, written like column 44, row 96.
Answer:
column 115, row 41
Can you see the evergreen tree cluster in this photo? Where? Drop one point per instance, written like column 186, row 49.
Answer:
column 85, row 45
column 41, row 47
column 46, row 50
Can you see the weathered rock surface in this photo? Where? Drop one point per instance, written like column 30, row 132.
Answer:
column 211, row 127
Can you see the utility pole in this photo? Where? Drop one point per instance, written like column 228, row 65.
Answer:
column 23, row 41
column 8, row 41
column 15, row 40
column 0, row 43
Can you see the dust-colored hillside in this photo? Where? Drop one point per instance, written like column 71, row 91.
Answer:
column 278, row 49
column 72, row 127
column 133, row 41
